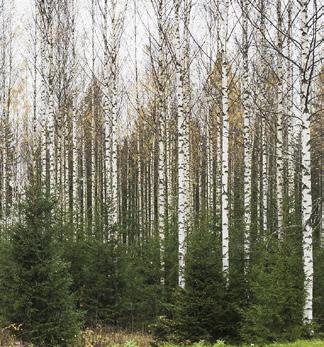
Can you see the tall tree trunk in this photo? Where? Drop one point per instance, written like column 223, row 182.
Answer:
column 181, row 128
column 93, row 125
column 187, row 109
column 279, row 141
column 306, row 163
column 289, row 120
column 106, row 116
column 114, row 111
column 246, row 134
column 264, row 128
column 161, row 135
column 225, row 142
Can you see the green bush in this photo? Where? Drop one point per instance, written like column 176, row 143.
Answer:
column 34, row 280
column 276, row 301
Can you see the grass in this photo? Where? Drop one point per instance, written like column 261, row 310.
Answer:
column 111, row 338
column 103, row 337
column 299, row 343
column 123, row 339
column 302, row 343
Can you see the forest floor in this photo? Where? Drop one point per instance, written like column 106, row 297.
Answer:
column 100, row 338
column 90, row 338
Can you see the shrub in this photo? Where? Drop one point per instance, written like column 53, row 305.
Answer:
column 34, row 280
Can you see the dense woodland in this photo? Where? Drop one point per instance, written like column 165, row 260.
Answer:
column 185, row 200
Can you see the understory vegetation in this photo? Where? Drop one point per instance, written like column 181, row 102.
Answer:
column 51, row 288
column 161, row 173
column 105, row 338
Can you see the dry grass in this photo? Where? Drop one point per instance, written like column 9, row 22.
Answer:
column 104, row 338
column 89, row 338
column 6, row 337
column 111, row 338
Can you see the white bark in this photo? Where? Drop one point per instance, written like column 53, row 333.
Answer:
column 84, row 184
column 3, row 120
column 93, row 124
column 44, row 101
column 182, row 194
column 2, row 125
column 264, row 127
column 75, row 158
column 35, row 91
column 114, row 113
column 306, row 165
column 209, row 144
column 106, row 105
column 225, row 137
column 187, row 110
column 290, row 96
column 51, row 112
column 246, row 134
column 161, row 137
column 46, row 18
column 279, row 142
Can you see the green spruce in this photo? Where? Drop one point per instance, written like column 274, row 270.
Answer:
column 35, row 281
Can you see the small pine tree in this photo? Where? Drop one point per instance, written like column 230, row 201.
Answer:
column 198, row 312
column 142, row 294
column 318, row 289
column 34, row 281
column 202, row 308
column 276, row 302
column 101, row 283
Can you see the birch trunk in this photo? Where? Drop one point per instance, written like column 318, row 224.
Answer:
column 107, row 130
column 290, row 96
column 279, row 142
column 114, row 112
column 3, row 119
column 264, row 139
column 35, row 174
column 93, row 123
column 306, row 164
column 75, row 144
column 43, row 115
column 161, row 134
column 210, row 154
column 181, row 128
column 51, row 112
column 225, row 136
column 46, row 18
column 187, row 111
column 246, row 135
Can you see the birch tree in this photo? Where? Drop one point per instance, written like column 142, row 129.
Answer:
column 116, row 27
column 225, row 133
column 7, row 166
column 246, row 130
column 161, row 135
column 279, row 142
column 305, row 77
column 264, row 189
column 182, row 129
column 46, row 23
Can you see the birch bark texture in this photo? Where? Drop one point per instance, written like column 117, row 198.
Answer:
column 161, row 135
column 279, row 142
column 246, row 133
column 224, row 7
column 306, row 162
column 181, row 129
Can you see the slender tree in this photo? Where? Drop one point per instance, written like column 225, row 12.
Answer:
column 246, row 129
column 224, row 136
column 305, row 77
column 182, row 129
